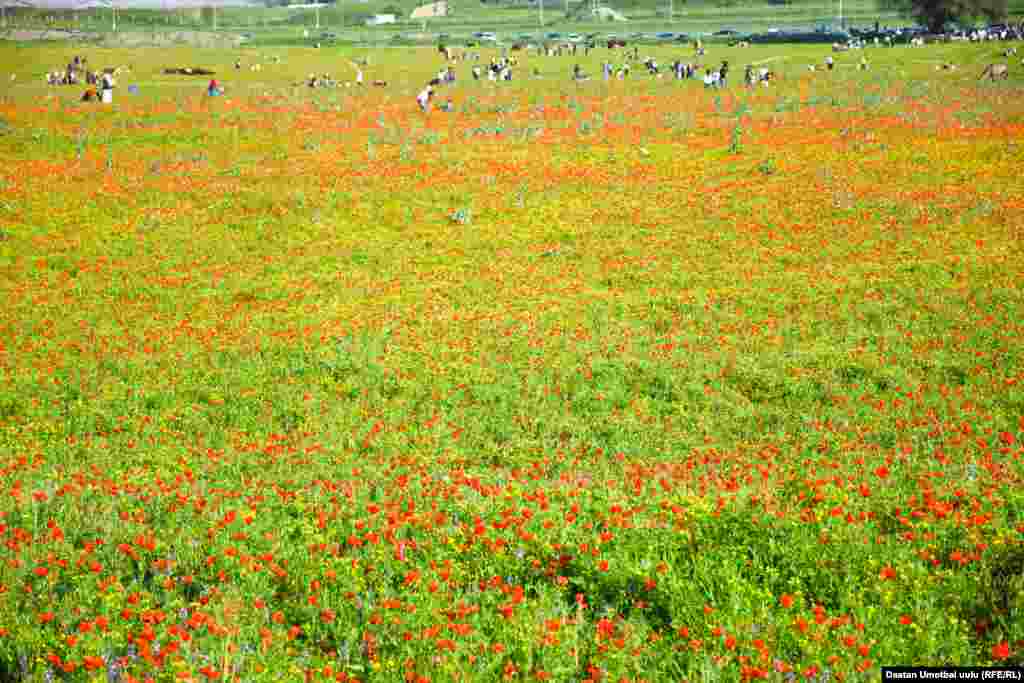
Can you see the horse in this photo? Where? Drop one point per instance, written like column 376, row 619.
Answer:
column 994, row 71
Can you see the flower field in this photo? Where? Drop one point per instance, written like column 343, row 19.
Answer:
column 580, row 382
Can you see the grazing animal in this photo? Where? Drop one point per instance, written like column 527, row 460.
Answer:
column 188, row 71
column 994, row 71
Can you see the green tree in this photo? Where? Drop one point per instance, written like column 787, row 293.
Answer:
column 935, row 14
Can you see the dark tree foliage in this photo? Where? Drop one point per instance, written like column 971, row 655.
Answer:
column 936, row 14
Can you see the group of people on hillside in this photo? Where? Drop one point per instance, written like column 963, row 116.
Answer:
column 500, row 69
column 100, row 83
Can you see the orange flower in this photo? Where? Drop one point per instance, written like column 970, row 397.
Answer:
column 92, row 663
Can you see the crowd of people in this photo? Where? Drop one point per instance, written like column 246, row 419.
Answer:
column 100, row 84
column 500, row 69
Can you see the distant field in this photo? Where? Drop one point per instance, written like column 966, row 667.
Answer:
column 346, row 19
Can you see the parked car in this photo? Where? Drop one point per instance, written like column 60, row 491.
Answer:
column 665, row 36
column 726, row 32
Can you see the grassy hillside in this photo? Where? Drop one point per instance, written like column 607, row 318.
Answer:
column 576, row 381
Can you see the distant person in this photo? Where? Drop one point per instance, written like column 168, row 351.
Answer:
column 107, row 88
column 213, row 89
column 423, row 99
column 830, row 63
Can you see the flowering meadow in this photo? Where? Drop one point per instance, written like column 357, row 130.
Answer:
column 599, row 381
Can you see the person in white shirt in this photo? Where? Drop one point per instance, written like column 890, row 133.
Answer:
column 107, row 88
column 423, row 99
